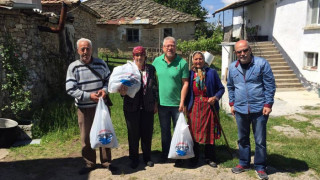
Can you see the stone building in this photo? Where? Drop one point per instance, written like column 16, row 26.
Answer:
column 128, row 23
column 45, row 46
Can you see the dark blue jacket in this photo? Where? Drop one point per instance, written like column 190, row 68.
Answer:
column 213, row 84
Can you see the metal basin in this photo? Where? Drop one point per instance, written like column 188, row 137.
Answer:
column 8, row 132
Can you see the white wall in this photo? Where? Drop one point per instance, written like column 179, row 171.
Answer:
column 260, row 13
column 289, row 32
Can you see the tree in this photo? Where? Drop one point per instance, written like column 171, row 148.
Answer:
column 192, row 7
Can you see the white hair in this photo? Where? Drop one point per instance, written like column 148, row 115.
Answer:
column 169, row 38
column 84, row 39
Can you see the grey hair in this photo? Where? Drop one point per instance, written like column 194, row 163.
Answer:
column 169, row 38
column 84, row 39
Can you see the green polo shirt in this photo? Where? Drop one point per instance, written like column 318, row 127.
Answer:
column 170, row 79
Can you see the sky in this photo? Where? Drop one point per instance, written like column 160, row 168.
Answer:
column 213, row 5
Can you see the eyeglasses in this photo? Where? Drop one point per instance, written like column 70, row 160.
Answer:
column 170, row 46
column 244, row 51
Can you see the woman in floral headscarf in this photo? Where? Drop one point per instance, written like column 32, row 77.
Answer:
column 139, row 110
column 205, row 90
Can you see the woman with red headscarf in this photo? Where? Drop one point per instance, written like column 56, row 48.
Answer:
column 139, row 110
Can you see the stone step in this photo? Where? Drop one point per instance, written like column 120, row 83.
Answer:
column 273, row 64
column 289, row 85
column 281, row 81
column 284, row 76
column 272, row 56
column 289, row 71
column 280, row 67
column 282, row 89
column 266, row 52
column 275, row 60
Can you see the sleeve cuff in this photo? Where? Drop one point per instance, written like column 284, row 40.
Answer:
column 268, row 105
column 86, row 96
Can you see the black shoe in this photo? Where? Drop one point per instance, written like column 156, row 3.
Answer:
column 134, row 164
column 178, row 163
column 163, row 159
column 112, row 168
column 193, row 162
column 211, row 163
column 149, row 163
column 86, row 170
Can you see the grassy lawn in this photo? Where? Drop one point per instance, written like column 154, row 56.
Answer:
column 61, row 139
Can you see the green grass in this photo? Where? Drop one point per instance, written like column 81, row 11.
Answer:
column 57, row 126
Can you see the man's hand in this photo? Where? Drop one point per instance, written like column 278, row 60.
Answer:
column 102, row 93
column 266, row 111
column 212, row 100
column 233, row 111
column 95, row 96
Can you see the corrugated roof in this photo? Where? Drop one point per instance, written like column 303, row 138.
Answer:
column 237, row 4
column 137, row 12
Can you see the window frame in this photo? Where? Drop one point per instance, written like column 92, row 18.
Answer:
column 315, row 61
column 133, row 35
column 311, row 11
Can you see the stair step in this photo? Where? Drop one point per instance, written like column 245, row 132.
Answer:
column 280, row 68
column 284, row 76
column 272, row 64
column 271, row 56
column 279, row 81
column 289, row 85
column 289, row 71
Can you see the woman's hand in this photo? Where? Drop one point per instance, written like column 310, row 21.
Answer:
column 212, row 100
column 123, row 90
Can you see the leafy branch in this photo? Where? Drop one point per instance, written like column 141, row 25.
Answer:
column 15, row 75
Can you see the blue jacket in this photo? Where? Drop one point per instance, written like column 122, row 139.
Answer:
column 213, row 84
column 251, row 92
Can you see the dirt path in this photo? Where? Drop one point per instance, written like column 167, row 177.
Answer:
column 66, row 168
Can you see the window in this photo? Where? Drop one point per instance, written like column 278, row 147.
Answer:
column 311, row 61
column 167, row 32
column 133, row 35
column 313, row 12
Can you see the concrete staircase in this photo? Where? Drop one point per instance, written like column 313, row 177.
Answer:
column 285, row 78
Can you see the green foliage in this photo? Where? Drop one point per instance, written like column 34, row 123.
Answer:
column 13, row 84
column 55, row 116
column 192, row 7
column 204, row 44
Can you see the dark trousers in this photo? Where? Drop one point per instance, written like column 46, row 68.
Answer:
column 140, row 126
column 85, row 120
column 209, row 152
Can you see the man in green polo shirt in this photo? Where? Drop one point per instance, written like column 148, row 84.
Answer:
column 172, row 73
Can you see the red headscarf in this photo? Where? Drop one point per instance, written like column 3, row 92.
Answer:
column 138, row 50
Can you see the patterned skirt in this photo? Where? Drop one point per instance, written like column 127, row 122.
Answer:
column 203, row 123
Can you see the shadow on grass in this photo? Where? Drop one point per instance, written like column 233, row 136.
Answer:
column 279, row 163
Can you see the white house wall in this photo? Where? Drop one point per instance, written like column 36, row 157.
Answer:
column 261, row 13
column 289, row 32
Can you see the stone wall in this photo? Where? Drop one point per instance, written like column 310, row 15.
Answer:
column 35, row 49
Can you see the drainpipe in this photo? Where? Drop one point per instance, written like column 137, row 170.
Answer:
column 62, row 20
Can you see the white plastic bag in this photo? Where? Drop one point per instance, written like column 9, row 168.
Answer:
column 127, row 74
column 181, row 146
column 102, row 132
